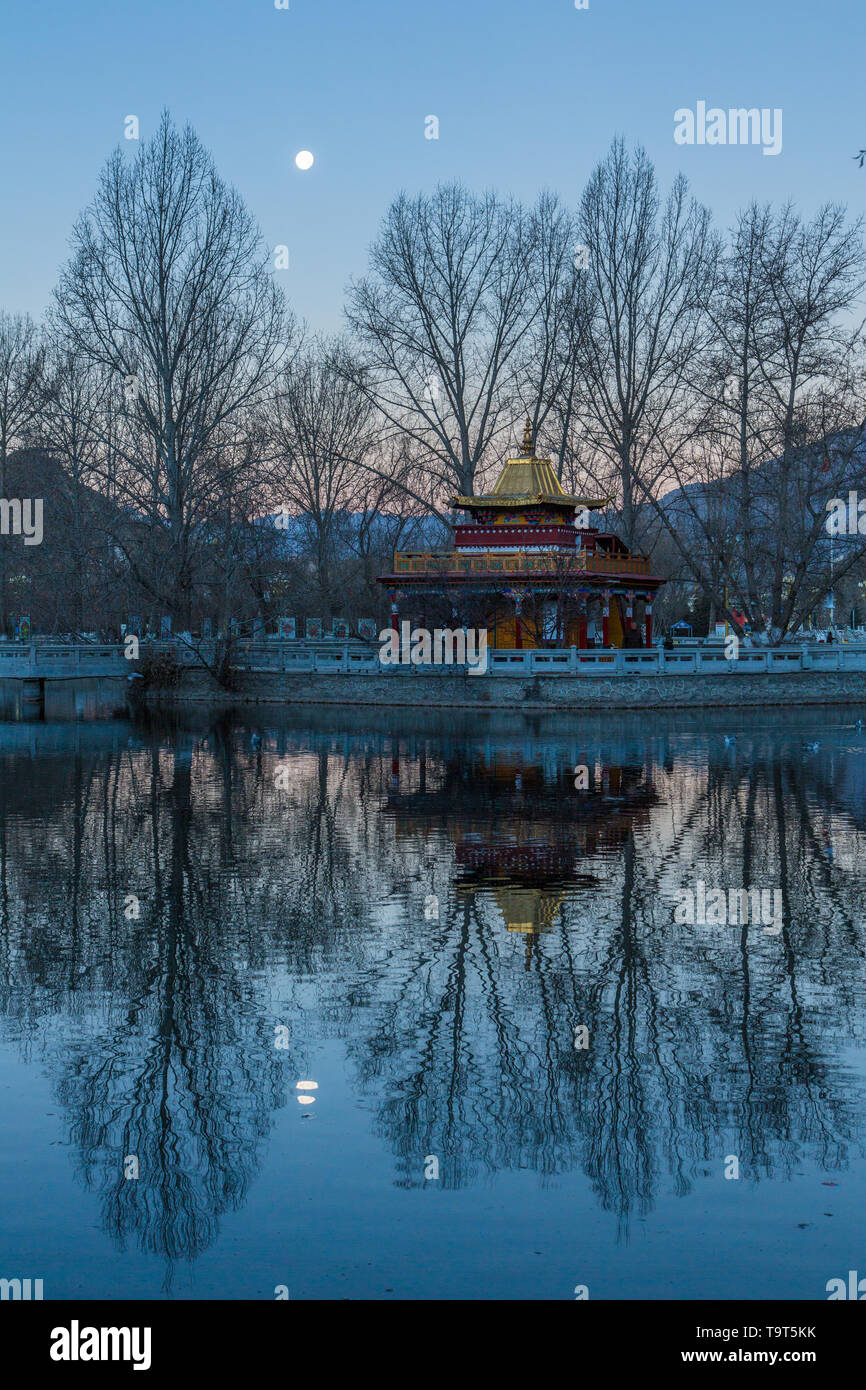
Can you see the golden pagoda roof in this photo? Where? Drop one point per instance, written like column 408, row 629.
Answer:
column 528, row 477
column 528, row 481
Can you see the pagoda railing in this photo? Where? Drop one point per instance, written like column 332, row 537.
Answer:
column 616, row 564
column 516, row 562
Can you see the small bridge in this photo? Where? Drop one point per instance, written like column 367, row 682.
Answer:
column 44, row 661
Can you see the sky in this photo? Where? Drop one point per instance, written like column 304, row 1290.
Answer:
column 528, row 95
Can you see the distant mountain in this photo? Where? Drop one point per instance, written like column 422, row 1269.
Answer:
column 383, row 531
column 688, row 506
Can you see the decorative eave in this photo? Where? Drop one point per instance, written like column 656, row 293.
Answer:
column 505, row 502
column 615, row 580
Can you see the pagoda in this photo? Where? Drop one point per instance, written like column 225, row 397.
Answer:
column 530, row 568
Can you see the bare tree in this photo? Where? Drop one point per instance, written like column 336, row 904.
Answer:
column 169, row 289
column 781, row 420
column 322, row 428
column 551, row 356
column 814, row 272
column 387, row 515
column 651, row 264
column 441, row 321
column 566, row 398
column 72, row 430
column 22, row 360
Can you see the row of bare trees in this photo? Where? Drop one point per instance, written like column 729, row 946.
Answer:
column 710, row 386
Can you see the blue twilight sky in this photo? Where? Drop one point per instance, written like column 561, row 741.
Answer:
column 528, row 94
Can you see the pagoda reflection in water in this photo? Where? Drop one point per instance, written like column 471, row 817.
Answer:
column 521, row 834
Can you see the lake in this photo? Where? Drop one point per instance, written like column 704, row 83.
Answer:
column 578, row 1003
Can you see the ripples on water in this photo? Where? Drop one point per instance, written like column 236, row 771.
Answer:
column 419, row 913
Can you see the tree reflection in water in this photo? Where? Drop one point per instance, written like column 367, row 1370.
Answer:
column 304, row 905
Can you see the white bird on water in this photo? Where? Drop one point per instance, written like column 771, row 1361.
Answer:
column 729, row 739
column 812, row 747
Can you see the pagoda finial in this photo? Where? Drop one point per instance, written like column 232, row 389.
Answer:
column 527, row 439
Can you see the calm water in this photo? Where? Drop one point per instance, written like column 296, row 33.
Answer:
column 420, row 914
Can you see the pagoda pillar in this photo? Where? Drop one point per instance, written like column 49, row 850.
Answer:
column 518, row 625
column 629, row 618
column 605, row 618
column 581, row 632
column 648, row 611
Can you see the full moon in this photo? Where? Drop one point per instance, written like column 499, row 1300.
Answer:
column 304, row 159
